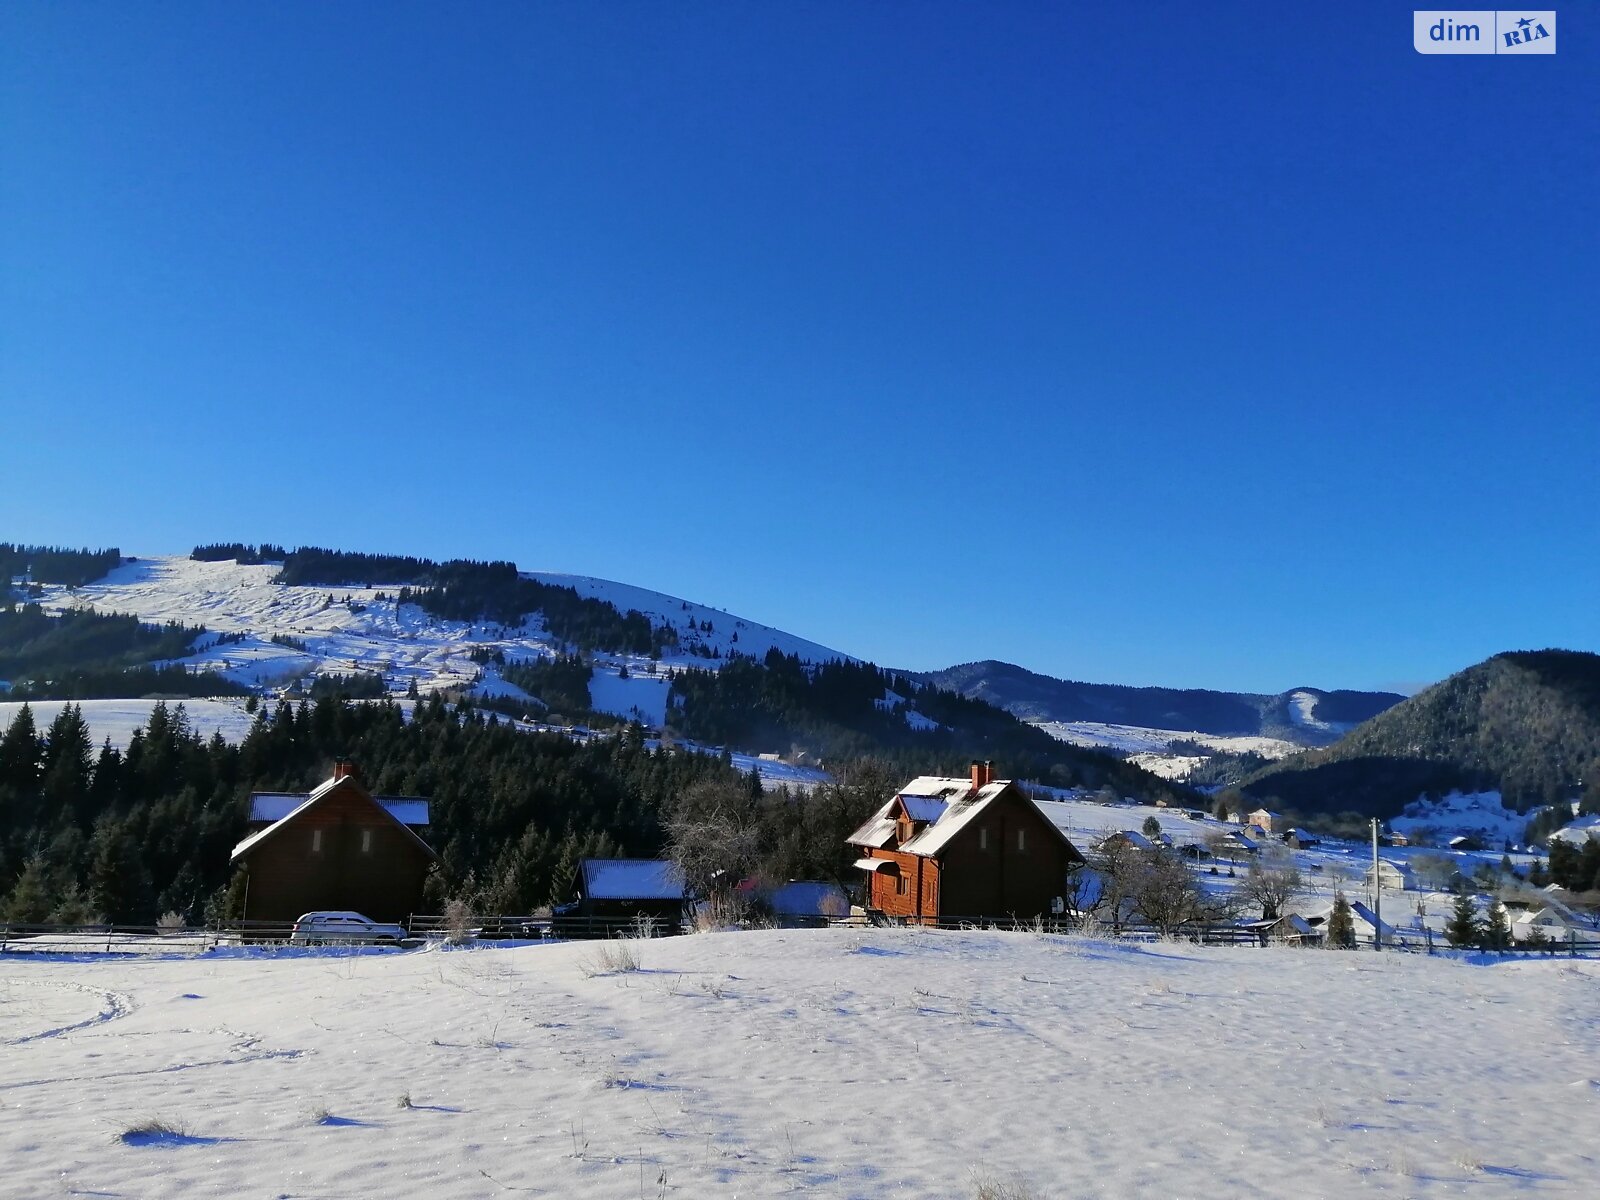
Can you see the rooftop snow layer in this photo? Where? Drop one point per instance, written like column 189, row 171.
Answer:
column 631, row 879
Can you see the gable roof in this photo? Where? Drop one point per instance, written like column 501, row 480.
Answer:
column 1132, row 836
column 947, row 804
column 630, row 879
column 321, row 792
column 275, row 806
column 1360, row 914
column 1385, row 866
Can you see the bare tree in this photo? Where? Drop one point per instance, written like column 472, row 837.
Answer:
column 1106, row 885
column 1272, row 881
column 713, row 839
column 1166, row 892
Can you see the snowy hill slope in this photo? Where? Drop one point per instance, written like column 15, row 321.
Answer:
column 344, row 629
column 756, row 1064
column 728, row 632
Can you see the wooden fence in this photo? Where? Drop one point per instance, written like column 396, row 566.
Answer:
column 18, row 937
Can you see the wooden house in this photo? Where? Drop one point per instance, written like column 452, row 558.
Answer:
column 1300, row 839
column 954, row 848
column 337, row 847
column 611, row 892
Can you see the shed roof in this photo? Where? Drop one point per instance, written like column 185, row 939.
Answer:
column 631, row 879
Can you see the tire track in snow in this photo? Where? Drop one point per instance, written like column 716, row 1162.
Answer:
column 114, row 1005
column 246, row 1045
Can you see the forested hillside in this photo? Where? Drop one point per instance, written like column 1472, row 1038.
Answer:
column 1525, row 723
column 1308, row 716
column 463, row 590
column 840, row 710
column 80, row 654
column 54, row 564
column 86, row 833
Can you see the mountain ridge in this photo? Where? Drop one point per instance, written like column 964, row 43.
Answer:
column 1305, row 716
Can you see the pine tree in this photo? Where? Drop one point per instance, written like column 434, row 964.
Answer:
column 1464, row 928
column 1341, row 924
column 1497, row 929
column 30, row 901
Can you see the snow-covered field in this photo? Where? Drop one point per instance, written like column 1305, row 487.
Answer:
column 1152, row 748
column 117, row 719
column 1476, row 814
column 845, row 1063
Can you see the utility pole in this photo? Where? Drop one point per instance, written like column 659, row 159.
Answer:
column 1377, row 892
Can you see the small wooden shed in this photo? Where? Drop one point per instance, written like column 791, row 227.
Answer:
column 611, row 892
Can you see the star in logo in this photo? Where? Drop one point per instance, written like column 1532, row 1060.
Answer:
column 1525, row 22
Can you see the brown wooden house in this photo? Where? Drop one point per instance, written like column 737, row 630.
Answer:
column 338, row 847
column 954, row 848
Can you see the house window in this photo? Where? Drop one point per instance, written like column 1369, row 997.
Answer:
column 983, row 839
column 316, row 841
column 902, row 884
column 366, row 841
column 1022, row 839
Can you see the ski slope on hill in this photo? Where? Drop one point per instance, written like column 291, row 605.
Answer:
column 761, row 1064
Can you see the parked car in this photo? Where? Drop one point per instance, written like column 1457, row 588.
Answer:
column 319, row 928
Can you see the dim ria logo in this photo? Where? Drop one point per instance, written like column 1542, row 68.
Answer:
column 1484, row 31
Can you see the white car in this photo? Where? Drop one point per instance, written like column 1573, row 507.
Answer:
column 318, row 928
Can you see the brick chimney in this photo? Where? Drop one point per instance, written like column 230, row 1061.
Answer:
column 978, row 779
column 343, row 768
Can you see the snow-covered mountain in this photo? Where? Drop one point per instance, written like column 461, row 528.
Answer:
column 268, row 635
column 271, row 636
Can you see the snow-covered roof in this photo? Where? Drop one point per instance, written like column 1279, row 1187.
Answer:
column 922, row 808
column 1359, row 913
column 631, row 879
column 316, row 794
column 1543, row 916
column 957, row 815
column 877, row 833
column 275, row 806
column 1132, row 836
column 1302, row 835
column 1579, row 831
column 949, row 805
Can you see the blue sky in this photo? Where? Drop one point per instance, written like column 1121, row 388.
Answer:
column 1210, row 345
